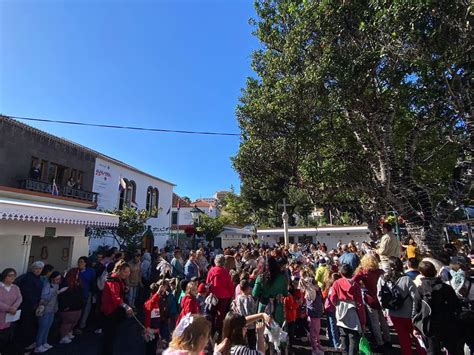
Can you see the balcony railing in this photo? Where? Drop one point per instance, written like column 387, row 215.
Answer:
column 66, row 191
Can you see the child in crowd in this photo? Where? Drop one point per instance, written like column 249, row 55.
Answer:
column 201, row 297
column 190, row 336
column 301, row 323
column 46, row 311
column 330, row 310
column 412, row 265
column 153, row 314
column 182, row 286
column 245, row 305
column 189, row 303
column 235, row 330
column 314, row 306
column 291, row 308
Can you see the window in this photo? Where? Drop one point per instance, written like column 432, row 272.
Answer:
column 174, row 217
column 128, row 194
column 38, row 168
column 131, row 191
column 152, row 200
column 148, row 199
column 52, row 172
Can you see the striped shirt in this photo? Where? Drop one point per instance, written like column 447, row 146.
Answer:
column 243, row 350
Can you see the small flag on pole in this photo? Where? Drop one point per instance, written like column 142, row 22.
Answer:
column 54, row 190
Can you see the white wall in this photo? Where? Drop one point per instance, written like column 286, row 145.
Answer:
column 184, row 215
column 330, row 241
column 13, row 253
column 230, row 239
column 106, row 184
column 16, row 238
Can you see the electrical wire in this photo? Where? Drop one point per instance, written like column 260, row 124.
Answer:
column 162, row 130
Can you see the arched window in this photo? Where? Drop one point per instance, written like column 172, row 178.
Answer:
column 155, row 201
column 127, row 195
column 152, row 201
column 131, row 192
column 123, row 195
column 149, row 193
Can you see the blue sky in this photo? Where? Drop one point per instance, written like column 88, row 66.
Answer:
column 165, row 64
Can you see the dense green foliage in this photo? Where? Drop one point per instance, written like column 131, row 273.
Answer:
column 364, row 104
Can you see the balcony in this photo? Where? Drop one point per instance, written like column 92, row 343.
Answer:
column 45, row 187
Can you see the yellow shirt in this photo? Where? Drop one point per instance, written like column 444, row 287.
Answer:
column 411, row 251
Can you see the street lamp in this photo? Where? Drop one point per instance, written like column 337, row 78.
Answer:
column 195, row 212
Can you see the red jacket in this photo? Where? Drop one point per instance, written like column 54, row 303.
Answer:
column 291, row 307
column 152, row 305
column 221, row 283
column 113, row 294
column 299, row 299
column 370, row 279
column 348, row 290
column 189, row 304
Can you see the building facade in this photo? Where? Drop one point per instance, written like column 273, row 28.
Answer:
column 32, row 159
column 118, row 185
column 50, row 174
column 46, row 198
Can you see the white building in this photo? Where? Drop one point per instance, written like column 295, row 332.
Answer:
column 140, row 190
column 231, row 237
column 209, row 208
column 48, row 228
column 328, row 235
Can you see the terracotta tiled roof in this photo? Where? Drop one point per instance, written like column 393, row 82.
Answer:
column 203, row 204
column 182, row 203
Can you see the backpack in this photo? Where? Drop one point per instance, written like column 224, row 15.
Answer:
column 439, row 308
column 391, row 296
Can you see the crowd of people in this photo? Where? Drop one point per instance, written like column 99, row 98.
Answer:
column 230, row 301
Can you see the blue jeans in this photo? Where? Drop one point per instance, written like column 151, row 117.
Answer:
column 44, row 324
column 333, row 330
column 132, row 295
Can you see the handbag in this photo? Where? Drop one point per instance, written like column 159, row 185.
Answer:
column 39, row 312
column 364, row 346
column 211, row 300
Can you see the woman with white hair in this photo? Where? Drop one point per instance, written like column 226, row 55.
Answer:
column 222, row 288
column 30, row 286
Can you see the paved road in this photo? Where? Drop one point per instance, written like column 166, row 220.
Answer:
column 130, row 342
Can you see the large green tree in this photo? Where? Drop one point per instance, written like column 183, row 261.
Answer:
column 364, row 103
column 129, row 232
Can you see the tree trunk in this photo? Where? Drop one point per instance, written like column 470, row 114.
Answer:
column 429, row 240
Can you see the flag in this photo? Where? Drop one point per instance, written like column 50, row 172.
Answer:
column 169, row 210
column 178, row 204
column 122, row 184
column 54, row 190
